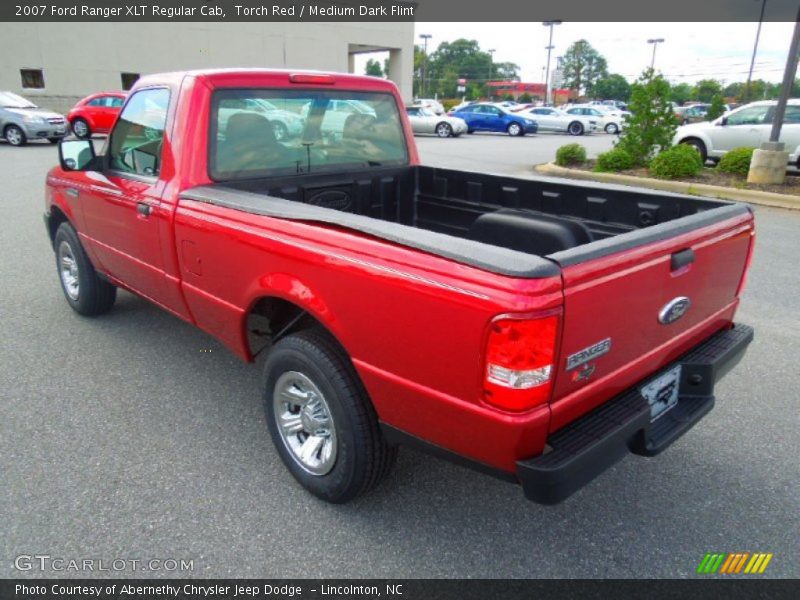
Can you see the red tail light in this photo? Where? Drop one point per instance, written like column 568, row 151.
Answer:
column 319, row 79
column 520, row 356
column 747, row 262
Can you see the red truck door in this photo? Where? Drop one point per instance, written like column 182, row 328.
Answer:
column 121, row 204
column 631, row 313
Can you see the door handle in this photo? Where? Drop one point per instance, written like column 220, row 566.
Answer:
column 144, row 209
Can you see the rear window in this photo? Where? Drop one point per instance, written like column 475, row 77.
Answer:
column 267, row 132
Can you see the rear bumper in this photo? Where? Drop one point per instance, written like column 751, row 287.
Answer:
column 585, row 448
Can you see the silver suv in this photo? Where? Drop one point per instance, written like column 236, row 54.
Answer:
column 21, row 121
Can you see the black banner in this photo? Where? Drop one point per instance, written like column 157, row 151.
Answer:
column 399, row 589
column 394, row 10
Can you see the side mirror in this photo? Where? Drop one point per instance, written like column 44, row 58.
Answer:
column 77, row 155
column 722, row 121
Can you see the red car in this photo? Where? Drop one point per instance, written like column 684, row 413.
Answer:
column 95, row 113
column 535, row 329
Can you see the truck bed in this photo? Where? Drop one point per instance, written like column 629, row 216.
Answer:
column 510, row 226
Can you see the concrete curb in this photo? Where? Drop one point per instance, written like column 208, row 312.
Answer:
column 680, row 187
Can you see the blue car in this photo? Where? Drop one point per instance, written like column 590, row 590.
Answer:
column 489, row 117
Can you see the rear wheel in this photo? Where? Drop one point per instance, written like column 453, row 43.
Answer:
column 612, row 128
column 697, row 145
column 15, row 136
column 444, row 130
column 515, row 129
column 53, row 140
column 84, row 291
column 81, row 128
column 321, row 420
column 575, row 128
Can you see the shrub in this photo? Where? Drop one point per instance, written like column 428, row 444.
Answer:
column 675, row 162
column 617, row 159
column 717, row 108
column 736, row 161
column 571, row 154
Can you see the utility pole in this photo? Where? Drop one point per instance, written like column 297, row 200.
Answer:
column 549, row 48
column 491, row 52
column 655, row 42
column 746, row 97
column 425, row 37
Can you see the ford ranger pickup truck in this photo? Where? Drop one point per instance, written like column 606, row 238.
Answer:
column 535, row 329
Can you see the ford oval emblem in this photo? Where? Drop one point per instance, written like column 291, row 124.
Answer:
column 674, row 310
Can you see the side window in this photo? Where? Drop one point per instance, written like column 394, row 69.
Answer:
column 116, row 102
column 135, row 145
column 96, row 102
column 792, row 115
column 752, row 115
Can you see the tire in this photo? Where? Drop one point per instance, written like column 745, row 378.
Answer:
column 15, row 136
column 470, row 131
column 612, row 128
column 575, row 128
column 443, row 130
column 81, row 128
column 515, row 130
column 85, row 292
column 308, row 373
column 697, row 145
column 53, row 140
column 280, row 130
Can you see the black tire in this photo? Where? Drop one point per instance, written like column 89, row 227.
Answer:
column 697, row 145
column 80, row 127
column 612, row 128
column 95, row 296
column 470, row 131
column 53, row 140
column 575, row 128
column 15, row 136
column 515, row 130
column 363, row 457
column 443, row 130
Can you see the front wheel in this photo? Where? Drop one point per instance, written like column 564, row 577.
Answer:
column 612, row 128
column 321, row 420
column 444, row 130
column 15, row 136
column 85, row 292
column 515, row 129
column 81, row 129
column 575, row 128
column 699, row 146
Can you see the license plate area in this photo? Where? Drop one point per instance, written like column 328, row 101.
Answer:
column 662, row 392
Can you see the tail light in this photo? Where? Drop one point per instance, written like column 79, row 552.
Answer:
column 313, row 78
column 747, row 262
column 520, row 357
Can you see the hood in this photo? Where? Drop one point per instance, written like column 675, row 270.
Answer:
column 38, row 112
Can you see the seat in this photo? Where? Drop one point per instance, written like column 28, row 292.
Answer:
column 530, row 232
column 250, row 145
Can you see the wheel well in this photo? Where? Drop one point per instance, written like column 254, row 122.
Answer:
column 272, row 318
column 56, row 218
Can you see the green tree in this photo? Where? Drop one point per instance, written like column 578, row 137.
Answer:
column 612, row 87
column 583, row 66
column 733, row 90
column 705, row 89
column 464, row 59
column 525, row 98
column 680, row 93
column 653, row 124
column 419, row 63
column 374, row 68
column 716, row 109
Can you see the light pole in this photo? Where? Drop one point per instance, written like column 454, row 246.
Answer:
column 655, row 42
column 549, row 48
column 425, row 37
column 491, row 52
column 755, row 49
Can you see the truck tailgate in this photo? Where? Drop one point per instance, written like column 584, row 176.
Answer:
column 629, row 312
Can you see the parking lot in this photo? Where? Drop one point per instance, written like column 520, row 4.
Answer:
column 136, row 436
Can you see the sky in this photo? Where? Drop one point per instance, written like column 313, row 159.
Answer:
column 690, row 52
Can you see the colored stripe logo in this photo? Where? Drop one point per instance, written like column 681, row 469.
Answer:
column 734, row 563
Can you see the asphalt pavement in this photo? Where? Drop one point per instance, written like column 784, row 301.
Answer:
column 134, row 436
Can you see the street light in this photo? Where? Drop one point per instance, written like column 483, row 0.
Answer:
column 549, row 47
column 425, row 37
column 655, row 42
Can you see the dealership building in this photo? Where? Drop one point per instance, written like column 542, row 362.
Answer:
column 54, row 65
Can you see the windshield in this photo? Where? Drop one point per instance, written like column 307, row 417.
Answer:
column 9, row 100
column 303, row 131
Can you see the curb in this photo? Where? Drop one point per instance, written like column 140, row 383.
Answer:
column 681, row 187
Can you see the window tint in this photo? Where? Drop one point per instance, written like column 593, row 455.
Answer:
column 264, row 132
column 32, row 78
column 135, row 145
column 792, row 114
column 752, row 115
column 96, row 102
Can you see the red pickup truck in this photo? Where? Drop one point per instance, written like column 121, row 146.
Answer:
column 535, row 329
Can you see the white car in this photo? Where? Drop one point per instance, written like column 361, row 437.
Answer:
column 433, row 105
column 425, row 121
column 609, row 120
column 748, row 125
column 553, row 119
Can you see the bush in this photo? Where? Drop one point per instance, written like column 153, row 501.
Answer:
column 736, row 161
column 571, row 154
column 617, row 159
column 675, row 162
column 449, row 103
column 717, row 108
